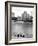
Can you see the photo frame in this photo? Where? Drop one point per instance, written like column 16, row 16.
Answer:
column 20, row 22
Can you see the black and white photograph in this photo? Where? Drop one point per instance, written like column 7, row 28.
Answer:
column 21, row 22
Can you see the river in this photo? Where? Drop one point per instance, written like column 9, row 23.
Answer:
column 21, row 28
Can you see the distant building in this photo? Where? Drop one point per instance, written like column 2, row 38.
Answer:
column 26, row 16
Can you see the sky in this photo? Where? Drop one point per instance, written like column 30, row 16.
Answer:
column 19, row 10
